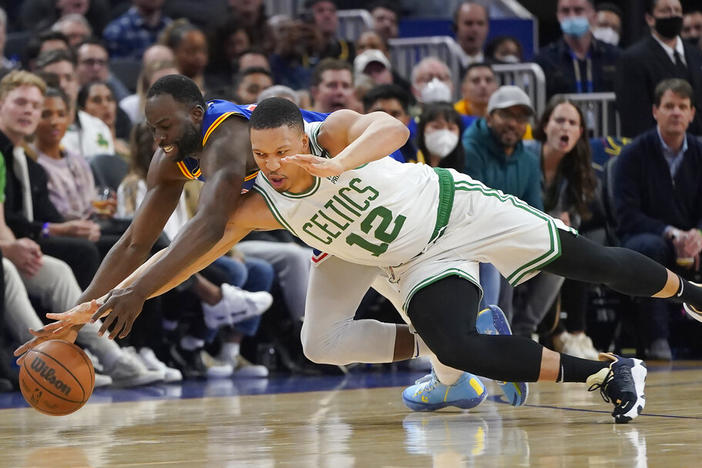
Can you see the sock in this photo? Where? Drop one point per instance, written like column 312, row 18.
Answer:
column 420, row 347
column 689, row 293
column 574, row 369
column 230, row 350
column 446, row 375
column 190, row 343
column 169, row 325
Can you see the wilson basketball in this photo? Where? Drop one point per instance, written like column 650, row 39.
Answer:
column 56, row 377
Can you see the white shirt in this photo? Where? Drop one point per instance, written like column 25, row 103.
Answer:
column 93, row 137
column 670, row 51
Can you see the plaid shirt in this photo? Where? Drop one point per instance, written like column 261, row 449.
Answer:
column 129, row 35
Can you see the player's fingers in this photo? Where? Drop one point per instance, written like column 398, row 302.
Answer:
column 102, row 310
column 127, row 329
column 118, row 326
column 51, row 327
column 109, row 320
column 25, row 347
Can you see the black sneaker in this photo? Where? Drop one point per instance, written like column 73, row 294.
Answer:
column 188, row 362
column 693, row 312
column 622, row 384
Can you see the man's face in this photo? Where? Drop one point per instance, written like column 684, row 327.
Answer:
column 508, row 125
column 569, row 8
column 390, row 106
column 334, row 91
column 92, row 63
column 384, row 22
column 664, row 9
column 270, row 145
column 378, row 73
column 325, row 17
column 692, row 26
column 175, row 126
column 478, row 85
column 68, row 81
column 608, row 19
column 251, row 86
column 429, row 70
column 76, row 32
column 674, row 114
column 20, row 110
column 191, row 54
column 472, row 28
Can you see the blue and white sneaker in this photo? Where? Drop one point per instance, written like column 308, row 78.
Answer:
column 622, row 384
column 428, row 394
column 492, row 321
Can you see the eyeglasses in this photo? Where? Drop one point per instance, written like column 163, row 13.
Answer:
column 92, row 62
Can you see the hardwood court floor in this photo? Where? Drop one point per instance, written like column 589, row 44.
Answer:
column 561, row 426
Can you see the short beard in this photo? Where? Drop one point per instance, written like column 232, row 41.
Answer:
column 189, row 144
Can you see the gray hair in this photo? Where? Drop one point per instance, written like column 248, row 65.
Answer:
column 72, row 18
column 279, row 91
column 424, row 61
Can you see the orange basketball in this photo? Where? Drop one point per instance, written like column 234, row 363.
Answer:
column 56, row 377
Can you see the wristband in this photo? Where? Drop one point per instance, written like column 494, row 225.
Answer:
column 45, row 230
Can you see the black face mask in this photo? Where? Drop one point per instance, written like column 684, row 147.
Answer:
column 670, row 27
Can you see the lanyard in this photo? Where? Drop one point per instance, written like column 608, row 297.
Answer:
column 578, row 77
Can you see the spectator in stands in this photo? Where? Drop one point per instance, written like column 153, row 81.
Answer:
column 282, row 92
column 375, row 64
column 577, row 62
column 504, row 49
column 332, row 85
column 658, row 56
column 252, row 14
column 227, row 41
column 393, row 100
column 438, row 137
column 432, row 81
column 371, row 40
column 471, row 24
column 324, row 18
column 132, row 33
column 568, row 187
column 75, row 27
column 5, row 63
column 189, row 46
column 479, row 82
column 385, row 19
column 608, row 23
column 157, row 61
column 692, row 27
column 251, row 58
column 496, row 156
column 37, row 15
column 658, row 199
column 93, row 64
column 86, row 135
column 249, row 83
column 97, row 99
column 43, row 42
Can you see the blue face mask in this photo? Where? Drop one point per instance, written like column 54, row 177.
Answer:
column 576, row 26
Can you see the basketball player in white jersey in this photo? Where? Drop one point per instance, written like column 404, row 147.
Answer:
column 424, row 230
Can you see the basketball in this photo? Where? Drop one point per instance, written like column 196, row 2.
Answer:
column 56, row 377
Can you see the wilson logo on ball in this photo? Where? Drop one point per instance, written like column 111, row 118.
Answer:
column 48, row 374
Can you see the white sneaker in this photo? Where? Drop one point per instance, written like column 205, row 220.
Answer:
column 580, row 345
column 215, row 368
column 243, row 305
column 101, row 380
column 128, row 371
column 149, row 359
column 245, row 369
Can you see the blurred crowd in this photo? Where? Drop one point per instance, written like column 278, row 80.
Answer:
column 76, row 151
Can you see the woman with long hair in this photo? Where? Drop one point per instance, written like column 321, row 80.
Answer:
column 98, row 99
column 569, row 185
column 438, row 137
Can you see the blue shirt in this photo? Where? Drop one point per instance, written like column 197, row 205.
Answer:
column 672, row 157
column 129, row 35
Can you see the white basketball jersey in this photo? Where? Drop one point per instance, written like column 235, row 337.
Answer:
column 383, row 213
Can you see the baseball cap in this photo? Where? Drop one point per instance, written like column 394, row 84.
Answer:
column 371, row 55
column 508, row 96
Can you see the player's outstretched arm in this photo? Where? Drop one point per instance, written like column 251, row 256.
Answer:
column 353, row 139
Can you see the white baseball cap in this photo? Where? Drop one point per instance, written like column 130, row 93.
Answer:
column 371, row 55
column 508, row 96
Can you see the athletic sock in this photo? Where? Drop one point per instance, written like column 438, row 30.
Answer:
column 689, row 293
column 190, row 343
column 573, row 369
column 446, row 375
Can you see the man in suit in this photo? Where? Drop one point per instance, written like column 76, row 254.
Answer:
column 659, row 199
column 659, row 56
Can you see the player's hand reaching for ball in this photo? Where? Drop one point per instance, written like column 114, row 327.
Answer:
column 119, row 311
column 65, row 328
column 315, row 165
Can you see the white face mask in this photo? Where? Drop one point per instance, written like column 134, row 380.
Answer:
column 440, row 142
column 436, row 91
column 510, row 59
column 608, row 35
